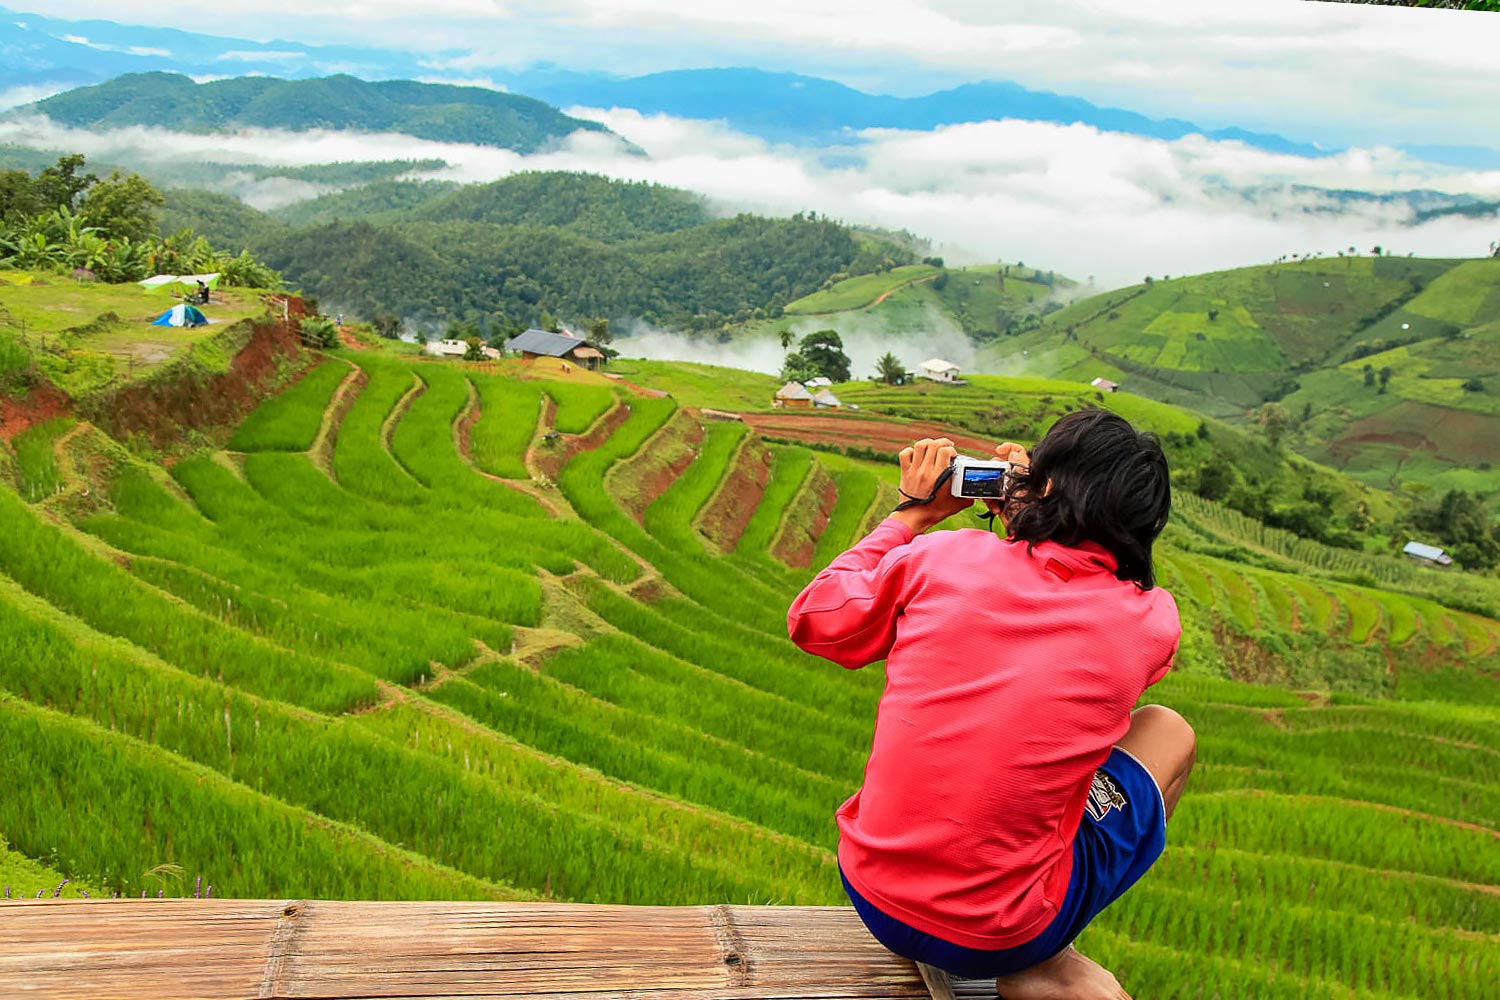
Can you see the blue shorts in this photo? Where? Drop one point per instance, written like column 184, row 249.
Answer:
column 1123, row 832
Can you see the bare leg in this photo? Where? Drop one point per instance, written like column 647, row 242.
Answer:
column 1165, row 745
column 1065, row 976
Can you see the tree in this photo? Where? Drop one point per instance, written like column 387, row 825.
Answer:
column 1369, row 376
column 889, row 370
column 1474, row 385
column 824, row 350
column 1460, row 523
column 1385, row 377
column 473, row 349
column 387, row 325
column 59, row 185
column 123, row 207
column 1276, row 421
column 1218, row 477
column 796, row 368
column 785, row 336
column 599, row 333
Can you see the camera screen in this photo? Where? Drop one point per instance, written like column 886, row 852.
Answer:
column 983, row 483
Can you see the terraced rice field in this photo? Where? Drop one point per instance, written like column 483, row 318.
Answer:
column 376, row 650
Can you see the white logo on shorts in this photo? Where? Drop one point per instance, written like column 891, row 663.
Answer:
column 1104, row 795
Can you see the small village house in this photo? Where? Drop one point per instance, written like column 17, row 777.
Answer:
column 826, row 400
column 448, row 348
column 939, row 370
column 1429, row 554
column 535, row 344
column 1104, row 385
column 793, row 395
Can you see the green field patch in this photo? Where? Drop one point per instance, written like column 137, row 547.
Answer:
column 37, row 474
column 1464, row 295
column 859, row 292
column 289, row 421
column 508, row 413
column 578, row 406
column 1365, row 615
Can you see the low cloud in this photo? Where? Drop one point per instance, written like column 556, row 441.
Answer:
column 865, row 337
column 1066, row 198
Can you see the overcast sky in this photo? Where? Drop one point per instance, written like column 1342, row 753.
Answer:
column 1331, row 73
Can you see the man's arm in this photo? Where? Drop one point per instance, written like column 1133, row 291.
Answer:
column 848, row 613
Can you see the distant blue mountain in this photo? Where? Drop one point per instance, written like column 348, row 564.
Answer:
column 36, row 50
column 787, row 107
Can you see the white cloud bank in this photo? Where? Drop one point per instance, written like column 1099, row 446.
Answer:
column 1068, row 198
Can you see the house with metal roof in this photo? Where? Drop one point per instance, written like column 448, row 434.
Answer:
column 1104, row 385
column 825, row 399
column 541, row 344
column 940, row 371
column 1427, row 554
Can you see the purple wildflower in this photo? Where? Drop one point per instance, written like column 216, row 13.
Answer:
column 160, row 893
column 143, row 893
column 84, row 893
column 209, row 893
column 198, row 888
column 58, row 891
column 7, row 892
column 39, row 893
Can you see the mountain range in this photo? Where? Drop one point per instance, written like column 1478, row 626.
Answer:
column 40, row 52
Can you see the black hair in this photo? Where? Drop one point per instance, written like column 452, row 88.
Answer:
column 1109, row 485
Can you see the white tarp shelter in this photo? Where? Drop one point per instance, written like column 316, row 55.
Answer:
column 176, row 282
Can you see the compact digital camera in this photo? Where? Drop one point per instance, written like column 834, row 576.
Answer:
column 979, row 479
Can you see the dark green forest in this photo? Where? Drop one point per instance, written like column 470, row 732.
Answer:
column 570, row 246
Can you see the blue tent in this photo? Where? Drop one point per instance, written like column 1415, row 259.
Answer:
column 181, row 315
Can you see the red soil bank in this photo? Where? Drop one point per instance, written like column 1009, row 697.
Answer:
column 727, row 514
column 42, row 403
column 645, row 477
column 161, row 410
column 845, row 432
column 550, row 459
column 795, row 548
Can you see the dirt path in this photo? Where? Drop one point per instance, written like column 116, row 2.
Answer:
column 388, row 426
column 463, row 427
column 344, row 396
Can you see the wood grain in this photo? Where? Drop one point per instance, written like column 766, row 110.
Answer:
column 256, row 949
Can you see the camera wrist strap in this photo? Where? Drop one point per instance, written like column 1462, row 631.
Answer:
column 937, row 487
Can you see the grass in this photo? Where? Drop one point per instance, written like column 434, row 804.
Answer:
column 405, row 680
column 859, row 292
column 699, row 385
column 85, row 334
column 291, row 424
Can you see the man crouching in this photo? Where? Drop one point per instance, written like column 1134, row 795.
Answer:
column 1011, row 792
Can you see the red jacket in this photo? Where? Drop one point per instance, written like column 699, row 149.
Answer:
column 1009, row 676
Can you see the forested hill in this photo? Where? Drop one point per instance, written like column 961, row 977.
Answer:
column 439, row 112
column 570, row 246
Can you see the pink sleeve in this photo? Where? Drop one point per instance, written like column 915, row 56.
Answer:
column 848, row 613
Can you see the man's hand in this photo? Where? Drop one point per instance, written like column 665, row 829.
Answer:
column 921, row 465
column 1012, row 453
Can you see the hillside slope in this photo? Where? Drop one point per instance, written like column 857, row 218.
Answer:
column 400, row 641
column 1303, row 333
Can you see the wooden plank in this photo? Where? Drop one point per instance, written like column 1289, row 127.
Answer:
column 244, row 949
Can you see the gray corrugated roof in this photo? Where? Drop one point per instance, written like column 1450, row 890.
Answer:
column 553, row 345
column 1423, row 551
